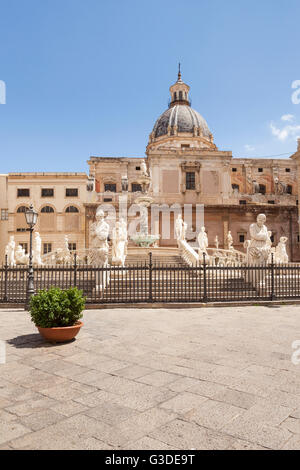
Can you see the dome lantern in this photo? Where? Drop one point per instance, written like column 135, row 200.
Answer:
column 179, row 92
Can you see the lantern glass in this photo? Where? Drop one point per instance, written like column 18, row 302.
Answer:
column 31, row 216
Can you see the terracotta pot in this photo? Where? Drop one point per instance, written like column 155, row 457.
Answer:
column 60, row 334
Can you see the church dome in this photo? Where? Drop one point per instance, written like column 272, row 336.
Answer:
column 182, row 116
column 181, row 122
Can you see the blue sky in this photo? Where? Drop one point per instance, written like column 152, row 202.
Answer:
column 88, row 77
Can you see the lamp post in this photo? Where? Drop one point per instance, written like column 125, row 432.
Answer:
column 31, row 218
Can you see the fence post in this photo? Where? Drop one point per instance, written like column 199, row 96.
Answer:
column 150, row 278
column 272, row 296
column 75, row 269
column 5, row 298
column 204, row 279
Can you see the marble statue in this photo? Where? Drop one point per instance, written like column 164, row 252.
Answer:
column 217, row 242
column 62, row 255
column 281, row 255
column 259, row 248
column 99, row 245
column 203, row 244
column 21, row 257
column 10, row 251
column 180, row 228
column 229, row 241
column 119, row 243
column 144, row 169
column 37, row 250
column 280, row 187
column 255, row 187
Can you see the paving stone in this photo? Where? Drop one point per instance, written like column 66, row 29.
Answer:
column 29, row 406
column 11, row 430
column 207, row 389
column 91, row 376
column 158, row 379
column 133, row 372
column 40, row 419
column 69, row 408
column 141, row 424
column 183, row 384
column 292, row 424
column 111, row 413
column 244, row 445
column 147, row 443
column 69, row 434
column 214, row 414
column 236, row 398
column 184, row 403
column 185, row 435
column 292, row 444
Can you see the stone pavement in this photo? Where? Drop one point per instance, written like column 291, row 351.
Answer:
column 211, row 378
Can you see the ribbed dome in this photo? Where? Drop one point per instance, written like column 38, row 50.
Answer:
column 182, row 116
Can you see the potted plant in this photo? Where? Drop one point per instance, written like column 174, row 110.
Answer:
column 56, row 313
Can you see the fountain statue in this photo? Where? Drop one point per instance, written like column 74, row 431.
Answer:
column 281, row 255
column 203, row 244
column 21, row 257
column 229, row 241
column 259, row 248
column 180, row 228
column 37, row 250
column 119, row 243
column 10, row 252
column 217, row 242
column 144, row 239
column 98, row 253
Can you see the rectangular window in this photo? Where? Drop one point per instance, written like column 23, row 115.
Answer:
column 288, row 170
column 260, row 170
column 234, row 170
column 190, row 180
column 25, row 247
column 135, row 188
column 298, row 238
column 242, row 202
column 4, row 214
column 72, row 246
column 107, row 199
column 72, row 192
column 271, row 202
column 22, row 192
column 242, row 237
column 110, row 187
column 47, row 192
column 138, row 168
column 47, row 248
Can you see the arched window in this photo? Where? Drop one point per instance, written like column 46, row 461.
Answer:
column 21, row 210
column 47, row 219
column 72, row 209
column 47, row 210
column 21, row 225
column 180, row 95
column 72, row 219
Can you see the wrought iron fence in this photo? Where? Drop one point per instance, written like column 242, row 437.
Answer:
column 155, row 282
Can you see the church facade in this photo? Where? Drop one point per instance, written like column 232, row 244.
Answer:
column 186, row 168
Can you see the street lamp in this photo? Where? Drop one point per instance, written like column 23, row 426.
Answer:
column 31, row 219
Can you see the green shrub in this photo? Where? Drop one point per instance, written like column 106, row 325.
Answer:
column 56, row 307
